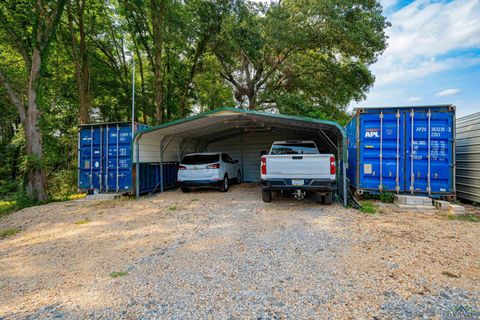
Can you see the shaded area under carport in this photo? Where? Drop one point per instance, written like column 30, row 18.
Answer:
column 241, row 131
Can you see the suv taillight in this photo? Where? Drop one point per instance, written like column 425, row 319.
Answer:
column 264, row 165
column 214, row 166
column 333, row 169
column 182, row 168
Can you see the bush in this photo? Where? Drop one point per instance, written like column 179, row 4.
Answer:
column 62, row 184
column 387, row 197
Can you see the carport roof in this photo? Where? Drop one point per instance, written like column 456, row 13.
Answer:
column 224, row 122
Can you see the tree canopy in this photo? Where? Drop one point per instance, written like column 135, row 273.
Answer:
column 66, row 62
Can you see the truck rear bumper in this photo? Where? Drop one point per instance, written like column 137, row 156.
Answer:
column 309, row 185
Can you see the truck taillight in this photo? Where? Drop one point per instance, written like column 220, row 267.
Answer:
column 333, row 169
column 264, row 165
column 214, row 166
column 182, row 168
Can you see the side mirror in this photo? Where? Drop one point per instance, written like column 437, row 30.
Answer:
column 235, row 161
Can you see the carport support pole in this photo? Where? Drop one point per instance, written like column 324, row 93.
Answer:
column 345, row 192
column 137, row 169
column 161, row 166
column 344, row 151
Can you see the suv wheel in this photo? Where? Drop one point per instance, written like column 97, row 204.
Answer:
column 239, row 177
column 224, row 186
column 185, row 189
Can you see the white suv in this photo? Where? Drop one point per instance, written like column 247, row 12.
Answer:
column 208, row 170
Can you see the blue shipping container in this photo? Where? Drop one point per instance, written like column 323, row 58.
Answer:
column 105, row 163
column 402, row 150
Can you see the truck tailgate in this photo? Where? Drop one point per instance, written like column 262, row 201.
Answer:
column 299, row 166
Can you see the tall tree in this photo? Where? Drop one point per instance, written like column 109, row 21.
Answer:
column 295, row 47
column 157, row 12
column 76, row 28
column 33, row 48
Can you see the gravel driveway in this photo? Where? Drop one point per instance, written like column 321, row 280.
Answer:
column 228, row 256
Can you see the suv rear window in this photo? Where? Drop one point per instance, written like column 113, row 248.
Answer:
column 201, row 159
column 294, row 148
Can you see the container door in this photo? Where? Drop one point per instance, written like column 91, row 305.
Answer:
column 381, row 151
column 429, row 144
column 90, row 165
column 118, row 159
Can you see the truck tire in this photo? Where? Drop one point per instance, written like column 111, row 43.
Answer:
column 186, row 190
column 328, row 198
column 225, row 184
column 266, row 196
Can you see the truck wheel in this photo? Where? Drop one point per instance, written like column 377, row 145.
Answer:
column 266, row 195
column 328, row 198
column 224, row 186
column 186, row 190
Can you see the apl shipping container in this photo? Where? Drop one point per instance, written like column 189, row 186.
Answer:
column 105, row 161
column 468, row 157
column 403, row 150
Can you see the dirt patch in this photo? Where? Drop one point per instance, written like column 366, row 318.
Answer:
column 229, row 254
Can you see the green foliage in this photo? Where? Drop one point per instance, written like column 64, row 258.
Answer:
column 84, row 221
column 464, row 217
column 172, row 207
column 117, row 274
column 387, row 197
column 8, row 232
column 300, row 57
column 368, row 207
column 16, row 201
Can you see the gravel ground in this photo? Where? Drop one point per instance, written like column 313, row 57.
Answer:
column 228, row 255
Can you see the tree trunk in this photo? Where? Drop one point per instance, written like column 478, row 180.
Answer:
column 37, row 183
column 193, row 68
column 157, row 8
column 82, row 68
column 142, row 84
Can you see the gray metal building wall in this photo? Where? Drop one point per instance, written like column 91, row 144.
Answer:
column 468, row 157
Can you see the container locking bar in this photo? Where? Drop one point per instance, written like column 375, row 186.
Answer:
column 117, row 186
column 91, row 157
column 397, row 185
column 106, row 160
column 380, row 187
column 412, row 174
column 429, row 188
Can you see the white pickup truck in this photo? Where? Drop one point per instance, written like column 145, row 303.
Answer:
column 298, row 167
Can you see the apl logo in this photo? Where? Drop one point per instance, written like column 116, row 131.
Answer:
column 372, row 133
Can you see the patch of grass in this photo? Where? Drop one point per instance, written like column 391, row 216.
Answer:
column 76, row 196
column 117, row 274
column 450, row 275
column 464, row 217
column 20, row 200
column 368, row 207
column 8, row 232
column 84, row 221
column 7, row 206
column 172, row 207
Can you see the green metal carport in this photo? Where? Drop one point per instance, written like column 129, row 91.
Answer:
column 244, row 134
